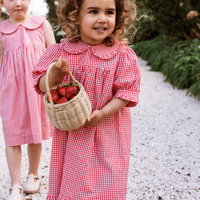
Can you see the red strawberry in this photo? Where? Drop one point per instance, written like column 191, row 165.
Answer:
column 58, row 88
column 75, row 89
column 54, row 95
column 61, row 91
column 69, row 91
column 62, row 100
column 72, row 97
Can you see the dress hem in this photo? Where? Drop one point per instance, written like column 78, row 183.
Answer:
column 60, row 197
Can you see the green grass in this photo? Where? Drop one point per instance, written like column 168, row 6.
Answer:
column 179, row 61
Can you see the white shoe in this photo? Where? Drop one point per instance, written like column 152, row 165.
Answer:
column 15, row 195
column 31, row 185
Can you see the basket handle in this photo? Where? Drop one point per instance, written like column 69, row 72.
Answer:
column 47, row 82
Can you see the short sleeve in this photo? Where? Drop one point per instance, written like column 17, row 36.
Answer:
column 127, row 78
column 44, row 62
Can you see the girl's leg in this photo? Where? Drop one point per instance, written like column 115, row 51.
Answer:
column 33, row 183
column 14, row 156
column 34, row 155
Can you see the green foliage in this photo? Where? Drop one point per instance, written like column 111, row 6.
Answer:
column 195, row 90
column 170, row 18
column 154, row 51
column 146, row 27
column 178, row 61
column 184, row 64
column 51, row 16
column 53, row 19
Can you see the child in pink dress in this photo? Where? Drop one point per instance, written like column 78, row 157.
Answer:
column 92, row 162
column 23, row 39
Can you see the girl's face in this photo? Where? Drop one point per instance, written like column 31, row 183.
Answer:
column 96, row 20
column 17, row 9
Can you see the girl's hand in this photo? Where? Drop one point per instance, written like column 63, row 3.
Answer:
column 96, row 117
column 112, row 107
column 58, row 71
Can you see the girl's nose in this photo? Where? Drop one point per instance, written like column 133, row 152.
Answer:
column 17, row 2
column 102, row 19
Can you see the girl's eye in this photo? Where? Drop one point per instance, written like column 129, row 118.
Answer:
column 93, row 11
column 109, row 12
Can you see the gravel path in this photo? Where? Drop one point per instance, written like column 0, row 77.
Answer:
column 165, row 152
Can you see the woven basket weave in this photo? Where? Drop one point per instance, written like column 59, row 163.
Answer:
column 72, row 114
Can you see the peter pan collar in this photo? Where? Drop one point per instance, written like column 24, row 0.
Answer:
column 6, row 27
column 102, row 51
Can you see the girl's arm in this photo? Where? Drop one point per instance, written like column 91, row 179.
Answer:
column 58, row 71
column 112, row 107
column 49, row 35
column 1, row 49
column 127, row 76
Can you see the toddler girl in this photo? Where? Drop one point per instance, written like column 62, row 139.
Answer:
column 92, row 162
column 23, row 39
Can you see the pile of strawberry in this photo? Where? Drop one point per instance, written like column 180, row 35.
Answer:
column 63, row 94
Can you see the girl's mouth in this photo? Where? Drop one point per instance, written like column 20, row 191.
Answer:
column 100, row 29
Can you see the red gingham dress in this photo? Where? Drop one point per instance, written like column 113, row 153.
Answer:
column 92, row 163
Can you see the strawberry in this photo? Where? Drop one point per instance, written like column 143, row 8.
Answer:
column 58, row 88
column 62, row 100
column 72, row 97
column 75, row 89
column 69, row 91
column 54, row 95
column 61, row 91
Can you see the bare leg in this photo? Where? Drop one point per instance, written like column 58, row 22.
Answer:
column 34, row 155
column 14, row 157
column 33, row 183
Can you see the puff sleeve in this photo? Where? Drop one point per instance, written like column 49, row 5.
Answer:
column 41, row 67
column 127, row 78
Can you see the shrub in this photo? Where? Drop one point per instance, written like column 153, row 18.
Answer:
column 174, row 18
column 179, row 61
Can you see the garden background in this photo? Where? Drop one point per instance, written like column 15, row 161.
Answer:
column 165, row 149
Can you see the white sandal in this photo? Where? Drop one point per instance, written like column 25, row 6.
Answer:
column 15, row 195
column 31, row 186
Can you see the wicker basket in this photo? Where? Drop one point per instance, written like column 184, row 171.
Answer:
column 72, row 114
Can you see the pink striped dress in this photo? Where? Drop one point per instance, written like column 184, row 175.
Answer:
column 22, row 110
column 92, row 163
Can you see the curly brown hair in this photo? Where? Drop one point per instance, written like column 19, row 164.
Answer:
column 68, row 13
